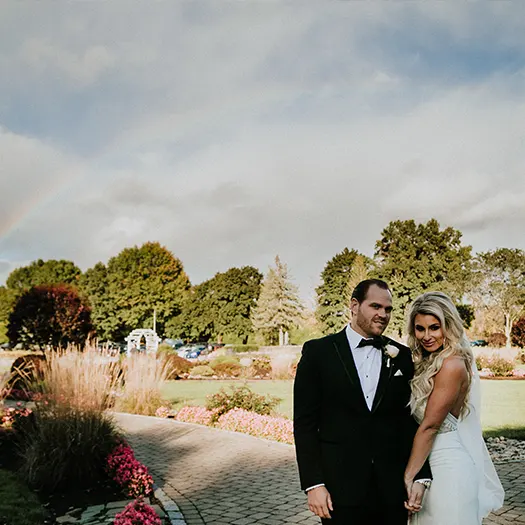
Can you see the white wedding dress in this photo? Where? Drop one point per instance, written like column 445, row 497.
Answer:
column 465, row 486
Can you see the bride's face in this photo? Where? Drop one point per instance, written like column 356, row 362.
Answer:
column 428, row 331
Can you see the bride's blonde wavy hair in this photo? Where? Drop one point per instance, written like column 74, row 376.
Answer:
column 428, row 364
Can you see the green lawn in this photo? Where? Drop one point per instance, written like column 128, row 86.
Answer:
column 503, row 410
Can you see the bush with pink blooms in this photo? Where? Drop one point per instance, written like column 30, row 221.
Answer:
column 199, row 415
column 137, row 513
column 163, row 412
column 268, row 427
column 129, row 473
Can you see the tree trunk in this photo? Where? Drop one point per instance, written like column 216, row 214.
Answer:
column 286, row 338
column 281, row 336
column 508, row 329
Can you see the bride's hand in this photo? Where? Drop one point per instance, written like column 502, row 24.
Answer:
column 415, row 497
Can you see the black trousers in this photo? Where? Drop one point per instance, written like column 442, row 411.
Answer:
column 372, row 511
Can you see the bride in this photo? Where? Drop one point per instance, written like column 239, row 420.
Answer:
column 446, row 402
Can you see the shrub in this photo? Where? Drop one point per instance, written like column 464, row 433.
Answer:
column 25, row 372
column 177, row 367
column 202, row 370
column 199, row 415
column 144, row 376
column 71, row 434
column 240, row 397
column 518, row 333
column 482, row 361
column 137, row 512
column 67, row 448
column 238, row 349
column 129, row 473
column 224, row 359
column 521, row 357
column 497, row 340
column 261, row 366
column 165, row 349
column 228, row 369
column 275, row 428
column 500, row 366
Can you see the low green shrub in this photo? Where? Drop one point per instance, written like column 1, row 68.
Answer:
column 497, row 340
column 482, row 361
column 239, row 349
column 224, row 359
column 165, row 349
column 202, row 370
column 261, row 366
column 241, row 397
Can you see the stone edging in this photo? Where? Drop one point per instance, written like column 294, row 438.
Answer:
column 170, row 508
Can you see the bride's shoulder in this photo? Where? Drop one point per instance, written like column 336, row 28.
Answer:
column 454, row 366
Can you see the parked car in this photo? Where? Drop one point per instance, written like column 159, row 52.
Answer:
column 174, row 343
column 479, row 342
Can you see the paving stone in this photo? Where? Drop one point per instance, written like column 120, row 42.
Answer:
column 220, row 478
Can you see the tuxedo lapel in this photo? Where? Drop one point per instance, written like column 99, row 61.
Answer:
column 384, row 378
column 342, row 349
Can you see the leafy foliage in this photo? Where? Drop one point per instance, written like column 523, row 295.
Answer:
column 240, row 397
column 52, row 315
column 219, row 308
column 415, row 258
column 136, row 282
column 518, row 333
column 333, row 295
column 278, row 308
column 501, row 285
column 43, row 273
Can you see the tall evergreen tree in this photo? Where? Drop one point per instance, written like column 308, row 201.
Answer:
column 279, row 307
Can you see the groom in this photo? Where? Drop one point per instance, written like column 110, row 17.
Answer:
column 353, row 430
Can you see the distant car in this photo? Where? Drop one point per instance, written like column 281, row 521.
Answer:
column 479, row 342
column 174, row 343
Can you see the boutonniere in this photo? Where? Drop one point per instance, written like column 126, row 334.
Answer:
column 391, row 352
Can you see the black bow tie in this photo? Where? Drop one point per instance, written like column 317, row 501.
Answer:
column 376, row 342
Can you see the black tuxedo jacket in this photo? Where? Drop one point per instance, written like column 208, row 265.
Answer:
column 338, row 440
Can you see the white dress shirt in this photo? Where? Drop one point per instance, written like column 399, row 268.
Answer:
column 368, row 363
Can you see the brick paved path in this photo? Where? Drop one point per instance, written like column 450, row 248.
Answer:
column 225, row 478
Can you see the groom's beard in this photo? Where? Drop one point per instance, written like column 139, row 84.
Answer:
column 371, row 327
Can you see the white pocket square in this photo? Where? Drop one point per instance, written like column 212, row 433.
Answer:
column 398, row 373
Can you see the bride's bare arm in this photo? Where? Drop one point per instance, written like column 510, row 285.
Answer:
column 448, row 384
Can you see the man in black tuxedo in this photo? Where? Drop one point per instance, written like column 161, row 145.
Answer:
column 353, row 430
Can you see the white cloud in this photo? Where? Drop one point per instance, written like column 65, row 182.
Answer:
column 233, row 132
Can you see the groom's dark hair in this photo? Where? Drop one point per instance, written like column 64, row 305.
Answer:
column 360, row 291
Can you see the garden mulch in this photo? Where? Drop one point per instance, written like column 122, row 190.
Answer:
column 226, row 478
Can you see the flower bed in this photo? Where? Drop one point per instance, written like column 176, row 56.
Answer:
column 239, row 420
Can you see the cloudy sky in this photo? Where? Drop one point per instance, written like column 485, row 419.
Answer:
column 235, row 131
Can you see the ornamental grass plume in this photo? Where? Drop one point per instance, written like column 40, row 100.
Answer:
column 137, row 513
column 144, row 376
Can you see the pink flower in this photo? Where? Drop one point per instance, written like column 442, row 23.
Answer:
column 137, row 513
column 199, row 415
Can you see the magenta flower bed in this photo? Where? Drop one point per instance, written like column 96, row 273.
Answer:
column 138, row 513
column 128, row 472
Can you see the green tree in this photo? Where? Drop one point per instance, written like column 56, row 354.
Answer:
column 52, row 315
column 141, row 280
column 333, row 295
column 43, row 272
column 94, row 285
column 7, row 301
column 501, row 285
column 415, row 258
column 220, row 308
column 279, row 308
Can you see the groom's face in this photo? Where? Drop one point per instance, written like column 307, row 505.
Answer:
column 371, row 317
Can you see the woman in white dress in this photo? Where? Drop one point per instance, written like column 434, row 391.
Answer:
column 446, row 401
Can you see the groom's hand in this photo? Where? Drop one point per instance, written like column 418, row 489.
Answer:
column 320, row 502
